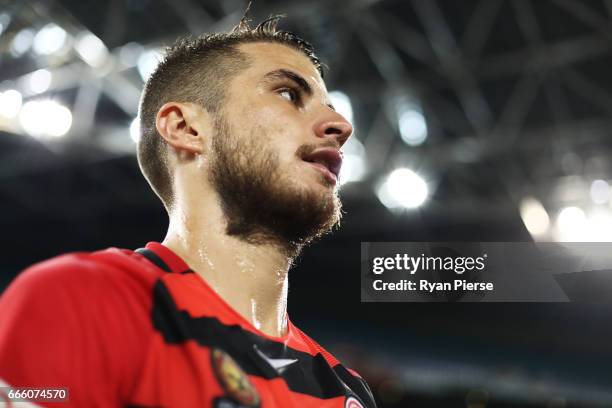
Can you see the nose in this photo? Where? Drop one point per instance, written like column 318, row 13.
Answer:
column 334, row 126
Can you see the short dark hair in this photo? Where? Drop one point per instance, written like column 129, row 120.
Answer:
column 197, row 70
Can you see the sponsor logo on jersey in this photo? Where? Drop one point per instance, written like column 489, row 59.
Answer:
column 279, row 364
column 234, row 380
column 352, row 402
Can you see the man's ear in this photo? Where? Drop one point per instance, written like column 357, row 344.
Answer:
column 183, row 126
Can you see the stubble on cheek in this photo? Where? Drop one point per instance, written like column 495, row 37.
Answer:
column 264, row 197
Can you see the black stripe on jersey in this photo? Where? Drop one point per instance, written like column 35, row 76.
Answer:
column 157, row 261
column 152, row 256
column 309, row 375
column 356, row 384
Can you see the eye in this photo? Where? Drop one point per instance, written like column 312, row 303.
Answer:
column 289, row 94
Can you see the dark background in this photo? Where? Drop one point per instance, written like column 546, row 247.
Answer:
column 516, row 96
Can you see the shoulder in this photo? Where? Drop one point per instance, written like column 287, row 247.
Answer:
column 92, row 310
column 88, row 269
column 111, row 277
column 101, row 298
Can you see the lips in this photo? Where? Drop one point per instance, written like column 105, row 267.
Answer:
column 326, row 159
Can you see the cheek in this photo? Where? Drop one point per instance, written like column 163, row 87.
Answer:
column 277, row 116
column 273, row 127
column 281, row 136
column 260, row 111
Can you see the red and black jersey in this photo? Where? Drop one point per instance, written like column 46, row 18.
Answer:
column 140, row 329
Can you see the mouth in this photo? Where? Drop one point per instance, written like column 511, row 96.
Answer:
column 326, row 160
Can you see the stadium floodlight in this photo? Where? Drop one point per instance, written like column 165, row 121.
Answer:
column 412, row 127
column 147, row 62
column 342, row 104
column 571, row 225
column 129, row 54
column 50, row 39
column 411, row 123
column 600, row 191
column 91, row 49
column 403, row 188
column 135, row 130
column 45, row 118
column 22, row 42
column 353, row 169
column 353, row 161
column 5, row 20
column 10, row 103
column 534, row 216
column 599, row 226
column 40, row 81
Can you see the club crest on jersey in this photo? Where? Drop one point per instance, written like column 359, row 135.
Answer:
column 233, row 379
column 352, row 402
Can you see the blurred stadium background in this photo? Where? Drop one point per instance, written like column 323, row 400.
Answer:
column 476, row 120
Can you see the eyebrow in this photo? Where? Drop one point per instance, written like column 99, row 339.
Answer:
column 290, row 75
column 294, row 77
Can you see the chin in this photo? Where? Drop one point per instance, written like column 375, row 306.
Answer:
column 319, row 189
column 314, row 206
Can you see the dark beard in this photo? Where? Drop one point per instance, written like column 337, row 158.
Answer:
column 259, row 204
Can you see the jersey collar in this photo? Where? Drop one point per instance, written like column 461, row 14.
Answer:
column 172, row 260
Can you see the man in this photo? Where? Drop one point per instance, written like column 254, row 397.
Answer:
column 240, row 142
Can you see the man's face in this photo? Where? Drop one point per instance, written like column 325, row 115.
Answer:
column 275, row 155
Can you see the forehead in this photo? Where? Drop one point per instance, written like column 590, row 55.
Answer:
column 265, row 57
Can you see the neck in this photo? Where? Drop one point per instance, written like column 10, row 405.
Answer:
column 251, row 277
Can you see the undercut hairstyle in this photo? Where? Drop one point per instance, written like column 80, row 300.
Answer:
column 198, row 71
